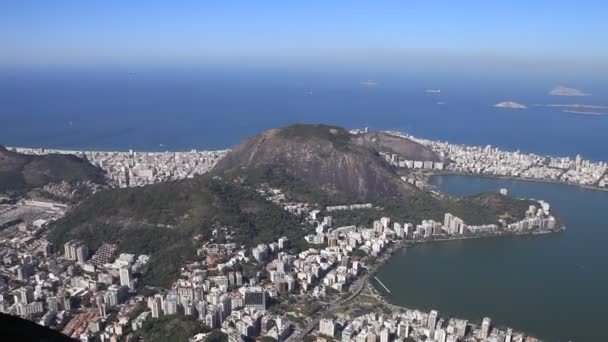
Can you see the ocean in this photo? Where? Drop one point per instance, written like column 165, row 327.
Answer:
column 157, row 109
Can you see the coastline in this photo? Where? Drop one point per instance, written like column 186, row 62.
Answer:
column 523, row 179
column 394, row 249
column 427, row 176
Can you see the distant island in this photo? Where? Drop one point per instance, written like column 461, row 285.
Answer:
column 510, row 105
column 369, row 83
column 584, row 112
column 582, row 109
column 566, row 91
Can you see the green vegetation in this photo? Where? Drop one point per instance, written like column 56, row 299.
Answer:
column 484, row 208
column 294, row 188
column 172, row 328
column 267, row 339
column 161, row 220
column 216, row 336
column 359, row 253
column 311, row 308
column 20, row 173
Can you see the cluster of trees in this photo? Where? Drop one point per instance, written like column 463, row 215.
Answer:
column 20, row 173
column 176, row 328
column 484, row 208
column 160, row 220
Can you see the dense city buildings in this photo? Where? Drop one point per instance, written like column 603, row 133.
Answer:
column 96, row 293
column 492, row 161
column 90, row 295
column 127, row 169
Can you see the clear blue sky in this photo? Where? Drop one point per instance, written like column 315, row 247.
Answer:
column 530, row 32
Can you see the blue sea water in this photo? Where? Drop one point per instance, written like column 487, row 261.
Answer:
column 120, row 108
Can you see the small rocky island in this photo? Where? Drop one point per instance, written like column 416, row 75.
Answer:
column 566, row 91
column 510, row 105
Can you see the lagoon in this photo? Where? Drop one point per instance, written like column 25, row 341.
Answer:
column 552, row 286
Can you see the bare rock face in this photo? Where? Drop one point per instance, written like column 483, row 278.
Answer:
column 328, row 158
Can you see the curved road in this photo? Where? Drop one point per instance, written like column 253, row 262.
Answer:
column 358, row 287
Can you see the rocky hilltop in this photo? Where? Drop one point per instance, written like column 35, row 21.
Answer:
column 328, row 159
column 20, row 173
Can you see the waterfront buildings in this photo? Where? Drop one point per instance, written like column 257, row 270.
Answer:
column 492, row 161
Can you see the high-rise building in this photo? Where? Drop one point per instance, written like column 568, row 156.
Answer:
column 378, row 227
column 67, row 303
column 327, row 327
column 76, row 250
column 461, row 328
column 24, row 295
column 509, row 335
column 260, row 253
column 432, row 321
column 201, row 309
column 102, row 310
column 155, row 305
column 385, row 335
column 212, row 319
column 231, row 279
column 403, row 330
column 408, row 230
column 347, row 334
column 170, row 306
column 447, row 220
column 52, row 303
column 283, row 242
column 441, row 335
column 110, row 297
column 225, row 305
column 82, row 253
column 47, row 249
column 255, row 297
column 26, row 270
column 125, row 277
column 486, row 326
column 399, row 232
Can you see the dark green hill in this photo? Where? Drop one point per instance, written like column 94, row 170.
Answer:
column 161, row 220
column 20, row 173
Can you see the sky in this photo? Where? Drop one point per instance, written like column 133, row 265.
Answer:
column 425, row 33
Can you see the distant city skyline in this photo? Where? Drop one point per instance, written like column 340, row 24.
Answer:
column 475, row 35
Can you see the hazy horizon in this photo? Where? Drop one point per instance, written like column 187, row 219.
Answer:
column 518, row 36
